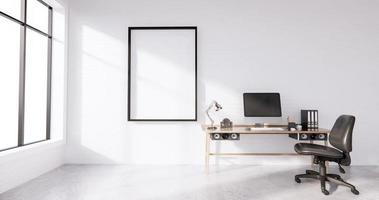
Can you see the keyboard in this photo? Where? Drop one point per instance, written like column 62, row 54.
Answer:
column 266, row 129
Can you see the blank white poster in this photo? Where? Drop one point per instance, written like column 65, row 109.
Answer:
column 162, row 74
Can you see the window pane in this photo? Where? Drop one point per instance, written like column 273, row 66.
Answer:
column 11, row 7
column 37, row 15
column 35, row 87
column 9, row 82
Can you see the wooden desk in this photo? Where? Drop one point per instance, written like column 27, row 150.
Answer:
column 245, row 130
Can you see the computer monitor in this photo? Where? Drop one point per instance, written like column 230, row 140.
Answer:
column 262, row 105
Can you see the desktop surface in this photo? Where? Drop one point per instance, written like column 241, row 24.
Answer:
column 252, row 129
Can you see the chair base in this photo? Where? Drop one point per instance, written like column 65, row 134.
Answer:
column 335, row 178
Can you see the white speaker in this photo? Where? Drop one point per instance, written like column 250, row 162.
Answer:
column 321, row 136
column 304, row 136
column 225, row 136
column 216, row 136
column 234, row 136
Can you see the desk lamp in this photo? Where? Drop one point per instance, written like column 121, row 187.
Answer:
column 217, row 107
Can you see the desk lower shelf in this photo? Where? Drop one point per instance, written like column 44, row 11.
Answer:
column 255, row 154
column 241, row 129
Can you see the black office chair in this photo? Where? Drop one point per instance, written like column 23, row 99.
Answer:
column 340, row 137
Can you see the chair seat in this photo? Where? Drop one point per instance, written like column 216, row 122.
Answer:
column 317, row 150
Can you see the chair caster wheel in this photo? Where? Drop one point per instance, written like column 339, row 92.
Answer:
column 325, row 191
column 355, row 191
column 297, row 180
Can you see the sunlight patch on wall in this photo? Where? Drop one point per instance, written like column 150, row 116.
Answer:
column 102, row 81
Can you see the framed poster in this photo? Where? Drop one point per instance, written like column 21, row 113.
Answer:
column 162, row 73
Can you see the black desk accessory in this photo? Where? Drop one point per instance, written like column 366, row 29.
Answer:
column 309, row 136
column 309, row 119
column 226, row 124
column 225, row 136
column 291, row 126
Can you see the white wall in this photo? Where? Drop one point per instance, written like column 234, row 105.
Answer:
column 19, row 167
column 318, row 54
column 22, row 164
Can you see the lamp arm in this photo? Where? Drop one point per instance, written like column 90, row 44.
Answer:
column 209, row 117
column 207, row 112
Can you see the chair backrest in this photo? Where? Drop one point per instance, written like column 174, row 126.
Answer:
column 341, row 134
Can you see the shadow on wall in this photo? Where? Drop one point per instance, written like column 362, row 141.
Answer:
column 99, row 86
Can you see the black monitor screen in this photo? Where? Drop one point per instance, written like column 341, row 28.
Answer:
column 262, row 105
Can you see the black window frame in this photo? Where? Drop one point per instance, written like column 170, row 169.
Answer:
column 21, row 108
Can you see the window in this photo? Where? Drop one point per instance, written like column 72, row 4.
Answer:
column 35, row 87
column 25, row 72
column 9, row 82
column 11, row 8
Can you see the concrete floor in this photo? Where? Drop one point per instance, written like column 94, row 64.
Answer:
column 112, row 182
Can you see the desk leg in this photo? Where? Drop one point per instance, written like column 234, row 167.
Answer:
column 207, row 144
column 312, row 157
column 326, row 143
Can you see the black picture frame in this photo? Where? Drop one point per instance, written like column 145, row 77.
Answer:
column 130, row 29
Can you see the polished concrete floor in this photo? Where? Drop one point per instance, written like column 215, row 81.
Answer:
column 113, row 182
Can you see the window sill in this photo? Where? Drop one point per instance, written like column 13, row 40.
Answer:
column 31, row 147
